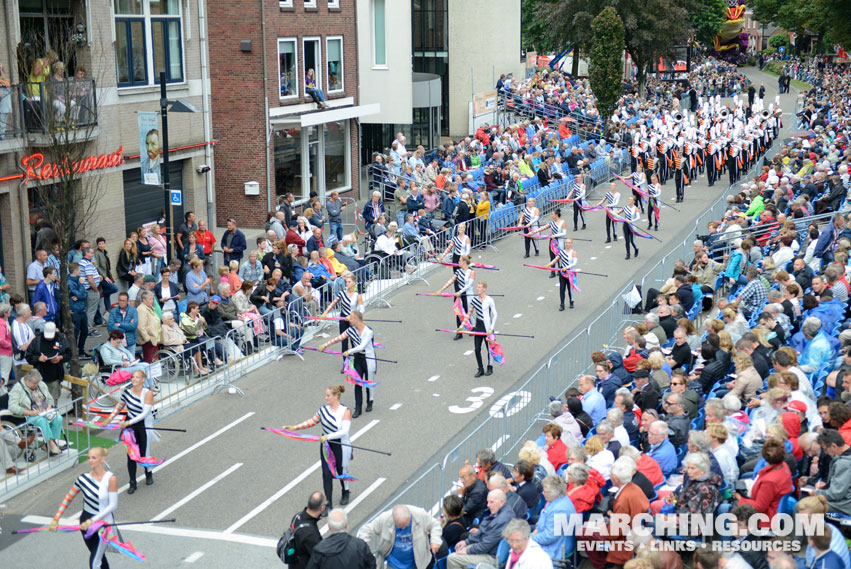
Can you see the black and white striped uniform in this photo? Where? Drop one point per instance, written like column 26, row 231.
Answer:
column 463, row 281
column 336, row 428
column 460, row 247
column 98, row 504
column 558, row 231
column 654, row 192
column 566, row 260
column 531, row 218
column 347, row 305
column 612, row 199
column 484, row 313
column 578, row 193
column 363, row 351
column 140, row 417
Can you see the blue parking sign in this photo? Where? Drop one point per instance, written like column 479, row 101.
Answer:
column 176, row 197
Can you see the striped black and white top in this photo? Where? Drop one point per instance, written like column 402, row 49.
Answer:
column 566, row 259
column 347, row 303
column 134, row 403
column 460, row 246
column 484, row 311
column 638, row 178
column 655, row 190
column 612, row 199
column 579, row 192
column 558, row 231
column 530, row 218
column 95, row 493
column 630, row 213
column 463, row 280
column 362, row 342
column 332, row 422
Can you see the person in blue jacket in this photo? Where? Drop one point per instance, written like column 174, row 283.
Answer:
column 557, row 544
column 45, row 291
column 233, row 242
column 661, row 450
column 77, row 295
column 827, row 239
column 125, row 318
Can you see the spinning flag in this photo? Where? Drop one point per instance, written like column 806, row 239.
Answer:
column 129, row 440
column 353, row 377
column 495, row 350
column 331, row 461
column 459, row 312
column 106, row 537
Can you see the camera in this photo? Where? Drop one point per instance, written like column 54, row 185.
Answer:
column 202, row 169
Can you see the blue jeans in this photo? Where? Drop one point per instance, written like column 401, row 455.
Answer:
column 400, row 218
column 336, row 229
column 81, row 329
column 316, row 94
column 107, row 290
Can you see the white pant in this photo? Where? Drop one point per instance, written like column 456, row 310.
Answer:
column 459, row 561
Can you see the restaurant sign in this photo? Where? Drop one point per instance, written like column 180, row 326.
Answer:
column 36, row 168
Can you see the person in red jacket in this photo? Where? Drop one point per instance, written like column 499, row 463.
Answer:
column 771, row 483
column 583, row 486
column 292, row 237
column 556, row 449
column 632, row 357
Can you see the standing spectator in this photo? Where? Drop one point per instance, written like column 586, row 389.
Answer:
column 91, row 280
column 334, row 206
column 150, row 327
column 233, row 242
column 340, row 550
column 197, row 283
column 78, row 295
column 128, row 262
column 306, row 534
column 159, row 249
column 35, row 270
column 406, row 536
column 104, row 267
column 5, row 345
column 22, row 334
column 48, row 353
column 165, row 291
column 126, row 319
column 287, row 208
column 187, row 227
column 207, row 240
column 46, row 291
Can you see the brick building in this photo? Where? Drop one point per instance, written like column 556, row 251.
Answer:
column 268, row 129
column 121, row 45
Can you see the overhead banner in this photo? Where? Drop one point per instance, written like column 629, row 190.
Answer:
column 150, row 153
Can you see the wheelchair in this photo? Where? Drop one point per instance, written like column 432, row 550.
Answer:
column 175, row 363
column 9, row 422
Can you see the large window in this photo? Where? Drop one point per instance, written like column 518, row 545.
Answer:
column 336, row 155
column 288, row 68
column 313, row 60
column 334, row 49
column 379, row 32
column 142, row 23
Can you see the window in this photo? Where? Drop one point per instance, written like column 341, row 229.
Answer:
column 333, row 3
column 379, row 33
column 313, row 61
column 287, row 68
column 334, row 49
column 285, row 3
column 143, row 23
column 336, row 155
column 310, row 3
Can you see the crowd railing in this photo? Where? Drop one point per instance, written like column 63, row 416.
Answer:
column 33, row 460
column 11, row 125
column 54, row 105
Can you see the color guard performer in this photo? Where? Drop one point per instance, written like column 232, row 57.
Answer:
column 529, row 218
column 630, row 215
column 483, row 313
column 566, row 260
column 610, row 202
column 653, row 204
column 460, row 244
column 463, row 279
column 363, row 350
column 577, row 193
column 349, row 301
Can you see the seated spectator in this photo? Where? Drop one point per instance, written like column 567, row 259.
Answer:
column 747, row 380
column 583, row 486
column 838, row 491
column 556, row 449
column 606, row 434
column 645, row 465
column 813, row 509
column 676, row 418
column 481, row 546
column 599, row 458
column 556, row 544
column 592, row 400
column 700, row 492
column 174, row 339
column 474, row 493
column 817, row 351
column 525, row 552
column 772, row 482
column 718, row 435
column 646, row 392
column 574, row 407
column 535, row 455
column 571, row 433
column 487, row 465
column 30, row 399
column 629, row 501
column 453, row 525
column 406, row 536
column 114, row 354
column 661, row 450
column 512, row 499
column 524, row 478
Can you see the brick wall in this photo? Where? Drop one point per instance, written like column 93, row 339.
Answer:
column 237, row 90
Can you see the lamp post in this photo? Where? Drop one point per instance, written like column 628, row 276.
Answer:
column 181, row 106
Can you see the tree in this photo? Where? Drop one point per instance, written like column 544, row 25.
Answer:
column 707, row 20
column 533, row 33
column 651, row 27
column 778, row 40
column 60, row 116
column 802, row 16
column 605, row 67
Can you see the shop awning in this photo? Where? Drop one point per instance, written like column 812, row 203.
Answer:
column 307, row 115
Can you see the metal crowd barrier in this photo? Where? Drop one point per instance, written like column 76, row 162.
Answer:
column 33, row 460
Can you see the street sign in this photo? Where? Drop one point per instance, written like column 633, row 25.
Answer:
column 782, row 49
column 176, row 197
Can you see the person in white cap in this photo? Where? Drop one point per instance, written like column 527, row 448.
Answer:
column 48, row 353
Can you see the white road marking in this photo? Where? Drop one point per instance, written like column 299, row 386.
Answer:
column 358, row 499
column 592, row 258
column 468, row 352
column 499, row 442
column 195, row 492
column 194, row 557
column 292, row 484
column 395, row 406
column 173, row 532
column 541, row 298
column 436, row 394
column 518, row 315
column 434, row 378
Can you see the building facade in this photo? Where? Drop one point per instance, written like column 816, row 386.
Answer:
column 112, row 52
column 267, row 127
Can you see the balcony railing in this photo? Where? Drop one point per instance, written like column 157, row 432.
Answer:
column 51, row 106
column 11, row 126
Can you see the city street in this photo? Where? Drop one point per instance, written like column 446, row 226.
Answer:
column 233, row 487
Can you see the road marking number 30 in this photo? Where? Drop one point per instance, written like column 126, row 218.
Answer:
column 508, row 405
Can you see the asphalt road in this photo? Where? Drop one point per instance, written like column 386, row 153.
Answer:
column 233, row 487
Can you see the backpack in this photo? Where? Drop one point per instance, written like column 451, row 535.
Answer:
column 286, row 544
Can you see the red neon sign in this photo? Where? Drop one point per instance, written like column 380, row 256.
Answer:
column 37, row 169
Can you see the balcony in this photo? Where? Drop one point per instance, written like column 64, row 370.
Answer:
column 59, row 112
column 11, row 126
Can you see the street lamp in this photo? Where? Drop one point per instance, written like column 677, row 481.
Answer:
column 180, row 106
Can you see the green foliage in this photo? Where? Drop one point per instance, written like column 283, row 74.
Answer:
column 819, row 17
column 707, row 20
column 752, row 61
column 605, row 66
column 779, row 40
column 534, row 31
